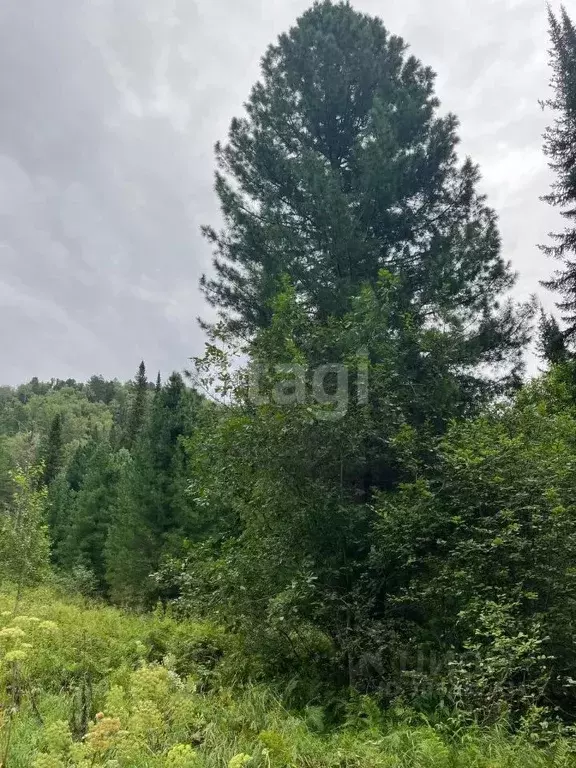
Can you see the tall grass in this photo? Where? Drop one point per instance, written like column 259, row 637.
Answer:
column 84, row 685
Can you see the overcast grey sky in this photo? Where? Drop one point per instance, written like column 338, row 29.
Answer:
column 109, row 112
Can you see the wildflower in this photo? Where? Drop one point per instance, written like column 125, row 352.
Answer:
column 102, row 735
column 181, row 756
column 11, row 633
column 25, row 620
column 48, row 761
column 49, row 626
column 14, row 656
column 152, row 683
column 147, row 722
column 116, row 704
column 239, row 761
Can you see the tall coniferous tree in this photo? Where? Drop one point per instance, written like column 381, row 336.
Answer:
column 61, row 503
column 138, row 410
column 95, row 504
column 343, row 167
column 149, row 509
column 350, row 226
column 552, row 341
column 60, row 515
column 560, row 147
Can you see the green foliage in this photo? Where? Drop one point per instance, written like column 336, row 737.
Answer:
column 112, row 513
column 82, row 418
column 150, row 515
column 24, row 547
column 552, row 342
column 94, row 507
column 53, row 456
column 138, row 409
column 355, row 245
column 289, row 556
column 480, row 558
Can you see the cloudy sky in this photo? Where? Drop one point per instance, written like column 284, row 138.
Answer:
column 109, row 110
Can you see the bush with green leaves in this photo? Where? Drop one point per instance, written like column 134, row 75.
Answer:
column 478, row 560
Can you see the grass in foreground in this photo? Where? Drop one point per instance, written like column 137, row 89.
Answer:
column 85, row 686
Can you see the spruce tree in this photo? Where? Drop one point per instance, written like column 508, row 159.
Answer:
column 552, row 340
column 560, row 148
column 61, row 503
column 343, row 167
column 151, row 506
column 138, row 409
column 60, row 507
column 93, row 511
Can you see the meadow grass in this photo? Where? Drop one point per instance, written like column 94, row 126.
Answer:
column 86, row 685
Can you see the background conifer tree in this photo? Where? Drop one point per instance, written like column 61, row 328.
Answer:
column 560, row 148
column 149, row 511
column 137, row 415
column 552, row 340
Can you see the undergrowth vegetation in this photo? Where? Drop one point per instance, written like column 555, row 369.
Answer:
column 84, row 685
